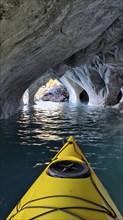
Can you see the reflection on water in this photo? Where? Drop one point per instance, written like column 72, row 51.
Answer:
column 31, row 138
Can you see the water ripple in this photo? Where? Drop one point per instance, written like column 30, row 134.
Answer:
column 31, row 138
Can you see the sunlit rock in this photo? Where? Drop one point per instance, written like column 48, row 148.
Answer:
column 56, row 94
column 45, row 88
column 25, row 98
column 33, row 89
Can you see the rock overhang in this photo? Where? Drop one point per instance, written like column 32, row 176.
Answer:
column 38, row 35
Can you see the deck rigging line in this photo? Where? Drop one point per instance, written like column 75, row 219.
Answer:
column 63, row 209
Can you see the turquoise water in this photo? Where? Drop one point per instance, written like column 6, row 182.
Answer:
column 30, row 139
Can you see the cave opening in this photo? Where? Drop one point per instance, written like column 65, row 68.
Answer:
column 119, row 97
column 84, row 98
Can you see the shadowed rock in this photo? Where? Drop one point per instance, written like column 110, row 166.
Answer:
column 38, row 35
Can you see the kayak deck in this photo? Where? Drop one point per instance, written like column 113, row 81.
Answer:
column 67, row 189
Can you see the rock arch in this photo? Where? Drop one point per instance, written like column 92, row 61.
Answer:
column 39, row 35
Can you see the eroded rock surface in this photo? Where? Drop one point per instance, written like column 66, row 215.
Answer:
column 38, row 35
column 101, row 80
column 56, row 94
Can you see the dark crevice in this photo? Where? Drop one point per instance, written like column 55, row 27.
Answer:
column 84, row 98
column 119, row 97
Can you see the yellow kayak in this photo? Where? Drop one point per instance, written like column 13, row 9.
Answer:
column 68, row 189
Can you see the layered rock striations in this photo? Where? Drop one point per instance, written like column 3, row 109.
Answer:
column 60, row 34
column 101, row 79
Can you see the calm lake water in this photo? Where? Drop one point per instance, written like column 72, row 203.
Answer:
column 30, row 139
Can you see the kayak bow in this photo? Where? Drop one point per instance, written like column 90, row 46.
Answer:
column 67, row 189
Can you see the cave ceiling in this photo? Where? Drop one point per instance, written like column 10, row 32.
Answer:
column 59, row 34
